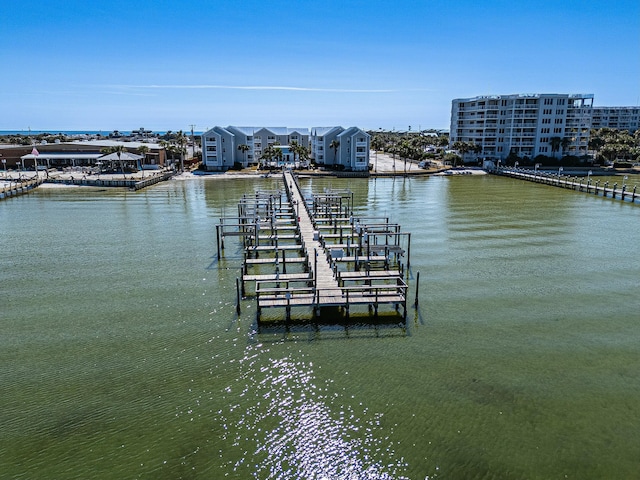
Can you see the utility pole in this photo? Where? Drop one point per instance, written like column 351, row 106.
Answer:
column 193, row 143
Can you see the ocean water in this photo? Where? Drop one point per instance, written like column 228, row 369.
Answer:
column 122, row 356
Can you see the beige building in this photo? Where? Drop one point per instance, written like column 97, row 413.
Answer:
column 522, row 124
column 620, row 118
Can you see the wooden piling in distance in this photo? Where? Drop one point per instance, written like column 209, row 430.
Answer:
column 415, row 304
column 218, row 240
column 237, row 296
column 409, row 251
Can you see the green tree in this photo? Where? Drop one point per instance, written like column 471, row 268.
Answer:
column 268, row 154
column 119, row 150
column 463, row 147
column 143, row 150
column 556, row 143
column 334, row 145
column 244, row 149
column 181, row 141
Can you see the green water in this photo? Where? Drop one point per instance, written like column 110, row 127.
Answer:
column 121, row 355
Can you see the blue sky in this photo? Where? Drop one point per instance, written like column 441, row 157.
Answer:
column 105, row 65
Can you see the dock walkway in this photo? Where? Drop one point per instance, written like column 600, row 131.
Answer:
column 328, row 290
column 317, row 278
column 572, row 183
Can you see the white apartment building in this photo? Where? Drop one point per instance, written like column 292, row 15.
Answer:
column 222, row 147
column 522, row 124
column 337, row 146
column 620, row 118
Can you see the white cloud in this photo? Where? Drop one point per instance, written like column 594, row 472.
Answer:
column 254, row 87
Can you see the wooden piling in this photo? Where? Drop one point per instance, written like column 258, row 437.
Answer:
column 237, row 296
column 218, row 240
column 409, row 251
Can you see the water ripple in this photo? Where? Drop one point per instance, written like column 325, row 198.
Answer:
column 295, row 428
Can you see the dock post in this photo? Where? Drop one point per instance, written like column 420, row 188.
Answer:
column 284, row 262
column 218, row 240
column 415, row 304
column 409, row 252
column 624, row 187
column 315, row 264
column 347, row 306
column 242, row 291
column 237, row 296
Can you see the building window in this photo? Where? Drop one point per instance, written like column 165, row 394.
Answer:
column 557, row 130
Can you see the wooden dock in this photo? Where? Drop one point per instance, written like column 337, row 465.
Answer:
column 294, row 238
column 572, row 183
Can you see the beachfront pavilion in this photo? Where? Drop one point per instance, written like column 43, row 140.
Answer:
column 62, row 160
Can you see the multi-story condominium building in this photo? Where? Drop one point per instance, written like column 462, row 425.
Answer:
column 621, row 118
column 522, row 124
column 347, row 149
column 223, row 147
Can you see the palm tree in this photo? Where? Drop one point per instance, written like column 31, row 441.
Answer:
column 165, row 144
column 334, row 145
column 181, row 141
column 244, row 149
column 556, row 143
column 143, row 150
column 463, row 147
column 404, row 151
column 119, row 150
column 377, row 143
column 268, row 153
column 303, row 153
column 294, row 147
column 278, row 153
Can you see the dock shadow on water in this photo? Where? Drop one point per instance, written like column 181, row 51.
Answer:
column 294, row 426
column 331, row 324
